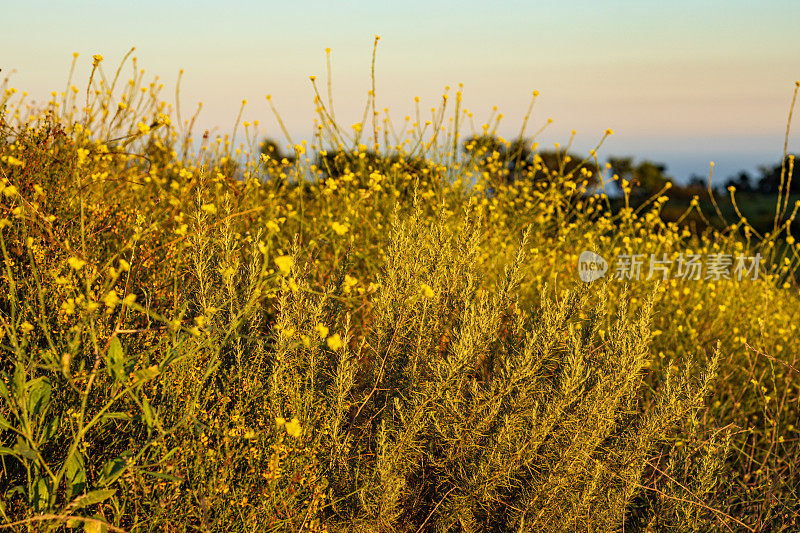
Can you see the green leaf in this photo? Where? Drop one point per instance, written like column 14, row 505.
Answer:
column 94, row 526
column 145, row 374
column 23, row 450
column 115, row 415
column 148, row 412
column 3, row 388
column 38, row 395
column 41, row 494
column 50, row 429
column 169, row 453
column 113, row 469
column 76, row 475
column 13, row 491
column 91, row 498
column 115, row 362
column 8, row 451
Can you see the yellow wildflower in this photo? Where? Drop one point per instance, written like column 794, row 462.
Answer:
column 293, row 428
column 349, row 283
column 69, row 306
column 75, row 263
column 426, row 290
column 111, row 299
column 340, row 229
column 284, row 263
column 335, row 342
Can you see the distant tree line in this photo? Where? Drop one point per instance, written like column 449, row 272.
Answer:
column 769, row 179
column 515, row 160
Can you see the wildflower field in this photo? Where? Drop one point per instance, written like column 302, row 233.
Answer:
column 377, row 329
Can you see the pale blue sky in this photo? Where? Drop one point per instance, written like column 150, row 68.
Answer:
column 684, row 81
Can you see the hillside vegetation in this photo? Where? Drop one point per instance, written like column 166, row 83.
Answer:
column 375, row 332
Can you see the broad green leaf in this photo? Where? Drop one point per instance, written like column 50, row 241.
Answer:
column 41, row 494
column 75, row 475
column 115, row 362
column 91, row 498
column 38, row 396
column 94, row 526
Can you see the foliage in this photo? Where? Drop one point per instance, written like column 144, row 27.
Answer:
column 351, row 338
column 780, row 175
column 513, row 161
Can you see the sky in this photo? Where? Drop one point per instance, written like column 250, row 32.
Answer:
column 680, row 82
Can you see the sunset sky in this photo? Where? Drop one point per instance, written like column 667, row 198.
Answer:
column 683, row 82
